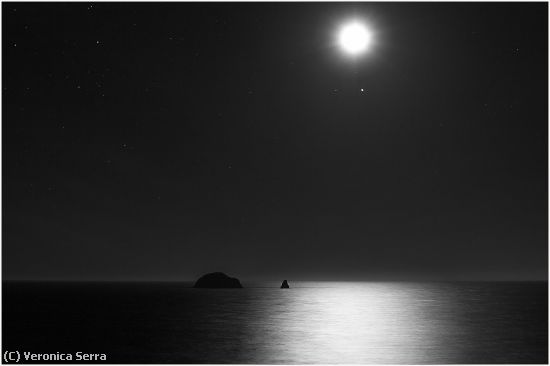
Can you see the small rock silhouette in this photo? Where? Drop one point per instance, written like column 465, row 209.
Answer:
column 285, row 284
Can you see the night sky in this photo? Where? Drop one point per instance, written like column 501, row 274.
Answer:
column 162, row 141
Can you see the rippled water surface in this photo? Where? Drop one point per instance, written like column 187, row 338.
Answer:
column 313, row 322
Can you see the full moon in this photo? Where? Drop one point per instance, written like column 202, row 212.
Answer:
column 354, row 38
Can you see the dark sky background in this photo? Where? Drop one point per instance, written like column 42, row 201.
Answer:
column 162, row 141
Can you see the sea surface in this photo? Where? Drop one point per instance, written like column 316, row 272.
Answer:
column 310, row 323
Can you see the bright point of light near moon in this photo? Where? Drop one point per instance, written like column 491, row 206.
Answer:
column 354, row 38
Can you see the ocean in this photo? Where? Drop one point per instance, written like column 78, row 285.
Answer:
column 310, row 323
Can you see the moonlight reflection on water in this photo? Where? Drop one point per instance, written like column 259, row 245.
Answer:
column 353, row 323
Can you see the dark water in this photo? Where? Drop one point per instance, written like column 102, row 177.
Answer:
column 313, row 322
